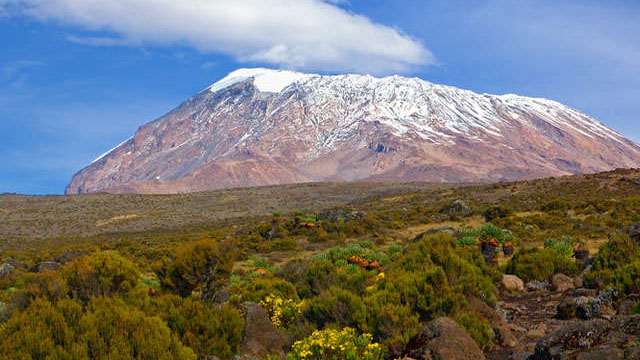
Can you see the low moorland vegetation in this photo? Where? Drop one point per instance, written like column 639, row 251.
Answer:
column 343, row 271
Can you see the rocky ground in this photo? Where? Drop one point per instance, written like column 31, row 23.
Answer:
column 565, row 321
column 540, row 321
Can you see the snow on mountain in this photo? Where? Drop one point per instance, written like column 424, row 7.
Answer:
column 265, row 80
column 262, row 126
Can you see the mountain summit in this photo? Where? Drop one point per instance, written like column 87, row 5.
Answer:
column 262, row 126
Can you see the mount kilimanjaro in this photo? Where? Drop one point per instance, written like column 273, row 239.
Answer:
column 263, row 127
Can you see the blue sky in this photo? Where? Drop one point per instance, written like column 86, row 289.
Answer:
column 79, row 76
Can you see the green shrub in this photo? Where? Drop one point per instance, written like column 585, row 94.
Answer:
column 43, row 331
column 111, row 330
column 467, row 241
column 338, row 306
column 108, row 329
column 615, row 265
column 540, row 264
column 626, row 279
column 47, row 285
column 476, row 326
column 201, row 266
column 618, row 251
column 561, row 247
column 102, row 273
column 282, row 312
column 207, row 329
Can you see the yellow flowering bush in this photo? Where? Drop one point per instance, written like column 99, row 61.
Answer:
column 282, row 312
column 333, row 344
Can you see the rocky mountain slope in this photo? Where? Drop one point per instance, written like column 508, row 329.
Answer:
column 261, row 127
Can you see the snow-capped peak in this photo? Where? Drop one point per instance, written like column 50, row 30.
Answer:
column 265, row 80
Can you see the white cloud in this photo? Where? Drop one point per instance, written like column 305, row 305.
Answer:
column 298, row 34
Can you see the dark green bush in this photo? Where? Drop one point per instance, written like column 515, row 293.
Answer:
column 540, row 264
column 201, row 266
column 497, row 212
column 208, row 329
column 616, row 265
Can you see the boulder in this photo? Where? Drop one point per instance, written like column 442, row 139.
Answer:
column 260, row 337
column 443, row 339
column 588, row 307
column 562, row 283
column 503, row 335
column 512, row 283
column 47, row 266
column 570, row 308
column 6, row 270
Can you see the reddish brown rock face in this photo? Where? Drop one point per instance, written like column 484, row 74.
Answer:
column 263, row 127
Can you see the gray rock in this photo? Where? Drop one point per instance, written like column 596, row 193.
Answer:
column 6, row 270
column 592, row 339
column 260, row 337
column 443, row 339
column 572, row 338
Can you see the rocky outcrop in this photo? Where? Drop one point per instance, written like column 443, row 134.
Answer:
column 260, row 337
column 593, row 339
column 310, row 128
column 588, row 307
column 443, row 339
